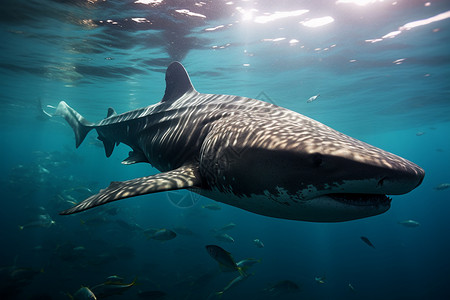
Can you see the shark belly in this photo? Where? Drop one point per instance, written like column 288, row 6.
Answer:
column 284, row 206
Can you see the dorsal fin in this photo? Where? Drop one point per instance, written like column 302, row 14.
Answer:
column 177, row 82
column 111, row 112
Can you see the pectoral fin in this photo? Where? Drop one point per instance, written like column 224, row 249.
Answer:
column 181, row 178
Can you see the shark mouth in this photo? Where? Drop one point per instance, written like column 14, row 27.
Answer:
column 362, row 199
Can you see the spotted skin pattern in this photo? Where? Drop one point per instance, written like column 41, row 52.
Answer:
column 247, row 153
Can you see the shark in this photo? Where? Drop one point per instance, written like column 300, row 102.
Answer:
column 246, row 153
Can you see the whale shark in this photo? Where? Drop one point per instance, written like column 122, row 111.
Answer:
column 246, row 153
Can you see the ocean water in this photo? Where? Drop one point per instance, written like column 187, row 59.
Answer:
column 382, row 73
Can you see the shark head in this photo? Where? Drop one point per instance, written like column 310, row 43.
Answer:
column 304, row 170
column 345, row 186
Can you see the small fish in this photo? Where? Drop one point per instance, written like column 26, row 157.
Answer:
column 419, row 133
column 442, row 186
column 43, row 170
column 258, row 243
column 70, row 199
column 311, row 99
column 283, row 287
column 23, row 275
column 43, row 221
column 320, row 279
column 63, row 200
column 107, row 288
column 150, row 231
column 409, row 223
column 247, row 263
column 233, row 282
column 38, row 248
column 83, row 189
column 184, row 231
column 224, row 258
column 224, row 238
column 229, row 226
column 350, row 286
column 114, row 279
column 84, row 293
column 163, row 235
column 212, row 206
column 367, row 241
column 243, row 264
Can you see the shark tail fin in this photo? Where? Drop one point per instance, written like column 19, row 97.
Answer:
column 182, row 178
column 80, row 125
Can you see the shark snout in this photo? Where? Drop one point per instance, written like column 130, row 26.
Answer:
column 391, row 175
column 401, row 178
column 420, row 177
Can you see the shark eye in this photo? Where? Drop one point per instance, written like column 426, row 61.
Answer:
column 317, row 160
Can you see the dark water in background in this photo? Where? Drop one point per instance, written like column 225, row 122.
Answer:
column 382, row 77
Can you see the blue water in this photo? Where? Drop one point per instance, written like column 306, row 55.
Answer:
column 382, row 78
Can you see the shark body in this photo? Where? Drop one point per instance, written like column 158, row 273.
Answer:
column 247, row 153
